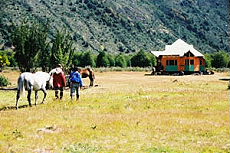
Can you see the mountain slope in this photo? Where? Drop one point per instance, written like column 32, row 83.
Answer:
column 126, row 25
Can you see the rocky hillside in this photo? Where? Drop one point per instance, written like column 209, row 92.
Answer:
column 126, row 25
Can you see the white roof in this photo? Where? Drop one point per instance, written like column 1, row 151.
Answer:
column 178, row 48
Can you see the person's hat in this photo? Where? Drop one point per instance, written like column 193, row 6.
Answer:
column 59, row 65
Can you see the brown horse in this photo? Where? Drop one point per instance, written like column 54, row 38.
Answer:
column 88, row 72
column 85, row 72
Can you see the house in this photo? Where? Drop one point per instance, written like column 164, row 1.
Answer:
column 179, row 57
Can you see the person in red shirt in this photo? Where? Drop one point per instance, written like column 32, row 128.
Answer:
column 59, row 81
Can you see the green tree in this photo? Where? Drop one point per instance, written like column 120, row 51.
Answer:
column 220, row 59
column 77, row 58
column 29, row 40
column 208, row 60
column 62, row 49
column 120, row 60
column 128, row 59
column 11, row 56
column 87, row 59
column 153, row 60
column 7, row 58
column 141, row 59
column 111, row 60
column 44, row 57
column 3, row 60
column 102, row 60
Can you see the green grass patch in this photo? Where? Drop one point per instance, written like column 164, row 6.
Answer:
column 80, row 148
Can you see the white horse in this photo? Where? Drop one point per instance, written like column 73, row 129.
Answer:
column 33, row 81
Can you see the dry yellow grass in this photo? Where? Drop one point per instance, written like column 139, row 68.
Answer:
column 127, row 112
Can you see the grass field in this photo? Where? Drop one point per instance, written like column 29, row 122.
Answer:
column 126, row 113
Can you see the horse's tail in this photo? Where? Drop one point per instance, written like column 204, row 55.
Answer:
column 21, row 85
column 91, row 76
column 91, row 73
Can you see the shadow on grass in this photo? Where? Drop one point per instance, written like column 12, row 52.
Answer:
column 8, row 89
column 5, row 108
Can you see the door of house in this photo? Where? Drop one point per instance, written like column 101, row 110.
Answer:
column 189, row 65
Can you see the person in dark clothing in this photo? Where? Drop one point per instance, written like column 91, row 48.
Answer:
column 76, row 83
column 59, row 81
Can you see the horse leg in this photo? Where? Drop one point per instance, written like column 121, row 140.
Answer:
column 45, row 93
column 91, row 83
column 17, row 98
column 29, row 97
column 91, row 80
column 36, row 97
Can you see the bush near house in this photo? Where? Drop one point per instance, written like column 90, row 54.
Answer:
column 4, row 81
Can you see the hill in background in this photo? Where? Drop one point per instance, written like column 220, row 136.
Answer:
column 126, row 25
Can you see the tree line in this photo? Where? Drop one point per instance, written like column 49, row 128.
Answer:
column 33, row 49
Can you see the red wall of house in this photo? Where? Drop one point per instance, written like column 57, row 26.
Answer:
column 181, row 62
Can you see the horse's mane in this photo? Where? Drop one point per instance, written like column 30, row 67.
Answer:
column 89, row 69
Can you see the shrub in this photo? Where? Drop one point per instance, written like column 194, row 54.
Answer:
column 120, row 61
column 4, row 81
column 141, row 59
column 3, row 60
column 220, row 59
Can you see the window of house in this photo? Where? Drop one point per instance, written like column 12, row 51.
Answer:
column 189, row 62
column 171, row 62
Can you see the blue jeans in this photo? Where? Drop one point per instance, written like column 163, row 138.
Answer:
column 74, row 89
